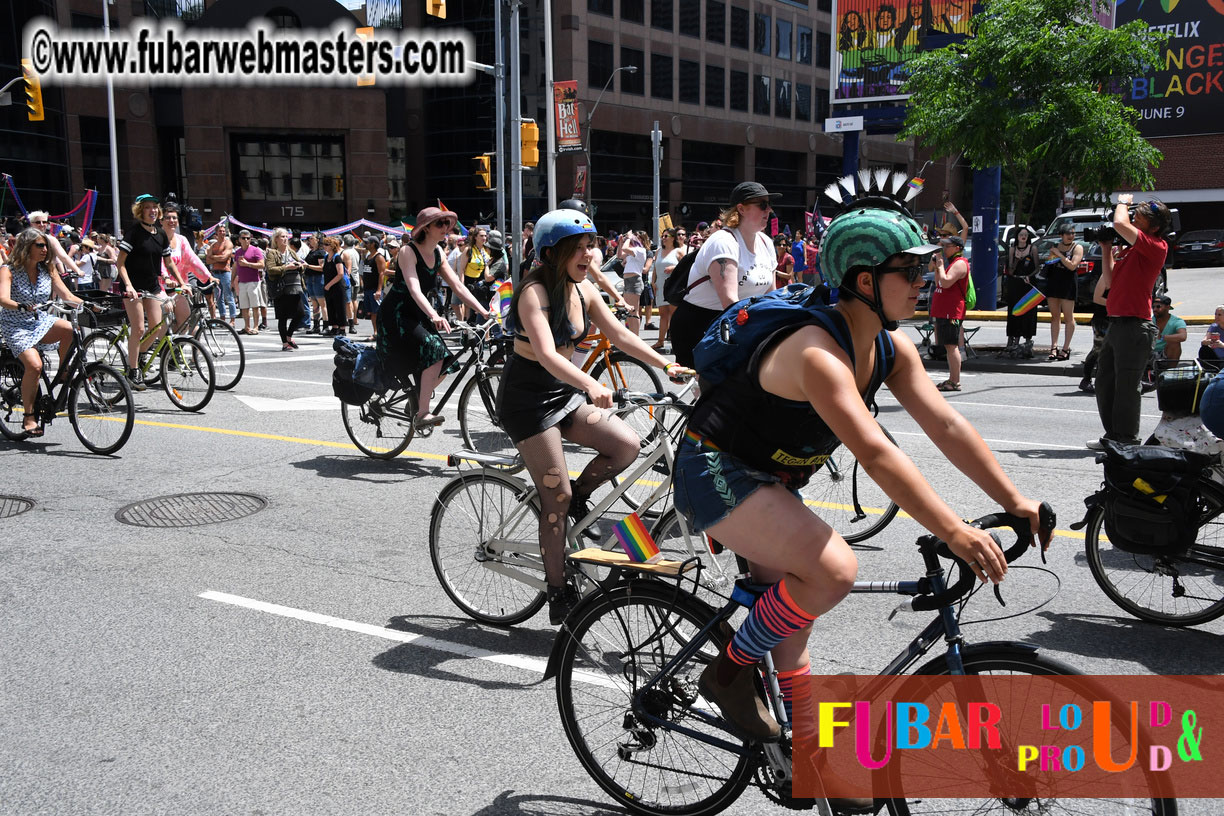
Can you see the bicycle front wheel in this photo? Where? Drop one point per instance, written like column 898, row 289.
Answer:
column 1175, row 589
column 478, row 422
column 618, row 371
column 1018, row 661
column 225, row 345
column 484, row 543
column 101, row 409
column 103, row 346
column 613, row 647
column 382, row 426
column 187, row 374
column 846, row 498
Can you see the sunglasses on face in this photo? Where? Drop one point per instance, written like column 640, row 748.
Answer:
column 40, row 246
column 445, row 224
column 38, row 223
column 764, row 205
column 912, row 273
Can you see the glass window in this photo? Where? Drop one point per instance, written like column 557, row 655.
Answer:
column 782, row 98
column 740, row 29
column 690, row 82
column 822, row 107
column 310, row 170
column 634, row 11
column 599, row 63
column 661, row 76
column 661, row 14
column 716, row 21
column 760, row 34
column 803, row 102
column 824, row 5
column 690, row 18
column 634, row 83
column 761, row 103
column 824, row 48
column 715, row 86
column 601, row 7
column 803, row 45
column 739, row 90
column 784, row 40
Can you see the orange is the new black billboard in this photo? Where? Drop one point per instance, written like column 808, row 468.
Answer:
column 873, row 39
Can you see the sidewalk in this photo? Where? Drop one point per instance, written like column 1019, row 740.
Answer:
column 987, row 361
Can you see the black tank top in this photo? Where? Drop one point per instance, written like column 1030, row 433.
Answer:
column 784, row 437
column 427, row 275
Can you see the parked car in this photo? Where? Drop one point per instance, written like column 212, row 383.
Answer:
column 1090, row 267
column 1198, row 248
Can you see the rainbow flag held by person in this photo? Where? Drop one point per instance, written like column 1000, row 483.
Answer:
column 635, row 540
column 505, row 294
column 1029, row 302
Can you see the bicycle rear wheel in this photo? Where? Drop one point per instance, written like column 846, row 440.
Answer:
column 613, row 646
column 1019, row 661
column 187, row 374
column 478, row 422
column 840, row 488
column 1175, row 589
column 382, row 426
column 12, row 413
column 101, row 409
column 225, row 345
column 618, row 371
column 484, row 546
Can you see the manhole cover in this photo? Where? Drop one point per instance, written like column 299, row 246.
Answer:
column 191, row 509
column 14, row 506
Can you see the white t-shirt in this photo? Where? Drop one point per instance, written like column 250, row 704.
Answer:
column 635, row 260
column 86, row 262
column 756, row 269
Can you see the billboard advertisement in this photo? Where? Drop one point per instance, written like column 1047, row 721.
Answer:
column 873, row 39
column 1183, row 94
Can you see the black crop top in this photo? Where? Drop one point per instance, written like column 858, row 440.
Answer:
column 566, row 335
column 784, row 437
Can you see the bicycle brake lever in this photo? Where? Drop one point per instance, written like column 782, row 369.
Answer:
column 999, row 596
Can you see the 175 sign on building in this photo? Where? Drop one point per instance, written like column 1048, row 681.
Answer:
column 569, row 133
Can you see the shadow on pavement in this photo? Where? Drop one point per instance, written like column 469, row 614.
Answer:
column 1161, row 650
column 508, row 804
column 1049, row 453
column 364, row 469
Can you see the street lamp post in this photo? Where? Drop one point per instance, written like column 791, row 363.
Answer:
column 586, row 147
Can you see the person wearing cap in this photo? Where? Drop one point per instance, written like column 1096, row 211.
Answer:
column 734, row 263
column 1171, row 332
column 948, row 304
column 409, row 331
column 87, row 261
column 1061, row 270
column 143, row 253
column 754, row 440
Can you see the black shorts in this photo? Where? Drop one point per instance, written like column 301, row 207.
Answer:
column 688, row 324
column 531, row 400
column 947, row 332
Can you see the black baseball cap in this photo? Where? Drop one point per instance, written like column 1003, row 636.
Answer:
column 1165, row 299
column 750, row 191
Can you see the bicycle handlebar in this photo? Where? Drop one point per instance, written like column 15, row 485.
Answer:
column 966, row 577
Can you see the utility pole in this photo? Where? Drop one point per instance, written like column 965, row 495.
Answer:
column 656, row 149
column 515, row 239
column 551, row 120
column 499, row 91
column 116, row 226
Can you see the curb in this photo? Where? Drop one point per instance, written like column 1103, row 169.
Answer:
column 986, row 361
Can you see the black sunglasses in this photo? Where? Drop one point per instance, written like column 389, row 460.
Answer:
column 912, row 273
column 41, row 246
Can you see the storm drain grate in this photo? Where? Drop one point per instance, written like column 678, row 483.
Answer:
column 14, row 506
column 191, row 509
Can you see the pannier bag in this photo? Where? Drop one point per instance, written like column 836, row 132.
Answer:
column 1180, row 388
column 355, row 379
column 1149, row 497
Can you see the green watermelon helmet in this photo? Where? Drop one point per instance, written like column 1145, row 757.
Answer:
column 868, row 237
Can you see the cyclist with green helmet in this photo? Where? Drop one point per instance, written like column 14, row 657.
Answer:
column 755, row 438
column 543, row 397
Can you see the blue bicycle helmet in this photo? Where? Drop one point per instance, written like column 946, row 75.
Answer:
column 559, row 224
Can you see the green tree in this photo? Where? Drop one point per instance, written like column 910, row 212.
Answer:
column 1035, row 92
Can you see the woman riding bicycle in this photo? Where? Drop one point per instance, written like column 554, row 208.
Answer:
column 142, row 252
column 409, row 340
column 25, row 280
column 754, row 439
column 543, row 397
column 185, row 260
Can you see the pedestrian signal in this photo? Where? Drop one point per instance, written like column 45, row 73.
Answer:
column 482, row 172
column 436, row 8
column 34, row 100
column 531, row 143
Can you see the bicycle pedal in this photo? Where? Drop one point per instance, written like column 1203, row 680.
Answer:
column 425, row 432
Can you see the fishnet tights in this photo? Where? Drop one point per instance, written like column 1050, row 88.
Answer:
column 617, row 446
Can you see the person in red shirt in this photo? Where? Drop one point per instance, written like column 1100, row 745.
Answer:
column 1129, row 278
column 948, row 304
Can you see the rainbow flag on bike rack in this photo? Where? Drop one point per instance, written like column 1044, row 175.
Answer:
column 635, row 540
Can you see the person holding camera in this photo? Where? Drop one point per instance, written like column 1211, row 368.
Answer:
column 1129, row 276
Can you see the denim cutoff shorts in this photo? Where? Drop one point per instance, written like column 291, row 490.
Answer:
column 710, row 483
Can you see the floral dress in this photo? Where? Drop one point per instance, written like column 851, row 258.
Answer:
column 23, row 330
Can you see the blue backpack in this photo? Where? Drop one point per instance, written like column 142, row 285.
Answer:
column 730, row 341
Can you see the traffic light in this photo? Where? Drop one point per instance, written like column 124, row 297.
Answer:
column 530, row 135
column 436, row 8
column 34, row 100
column 482, row 175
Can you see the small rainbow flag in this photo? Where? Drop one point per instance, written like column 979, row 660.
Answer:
column 505, row 294
column 635, row 540
column 1028, row 303
column 915, row 184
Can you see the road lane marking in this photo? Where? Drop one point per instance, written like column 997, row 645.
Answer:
column 265, row 404
column 283, row 379
column 1027, row 407
column 290, row 359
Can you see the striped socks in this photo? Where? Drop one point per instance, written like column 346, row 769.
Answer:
column 774, row 617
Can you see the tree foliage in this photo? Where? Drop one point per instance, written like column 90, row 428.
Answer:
column 1035, row 92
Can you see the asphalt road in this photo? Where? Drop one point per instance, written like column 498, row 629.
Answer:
column 303, row 660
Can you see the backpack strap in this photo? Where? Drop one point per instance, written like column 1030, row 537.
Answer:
column 886, row 356
column 827, row 318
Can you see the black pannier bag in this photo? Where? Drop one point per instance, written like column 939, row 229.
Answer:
column 1149, row 497
column 343, row 385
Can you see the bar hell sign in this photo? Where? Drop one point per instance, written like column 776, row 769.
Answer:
column 569, row 134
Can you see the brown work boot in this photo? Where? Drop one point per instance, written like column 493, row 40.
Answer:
column 738, row 700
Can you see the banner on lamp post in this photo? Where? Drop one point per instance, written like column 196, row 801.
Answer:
column 569, row 132
column 580, row 180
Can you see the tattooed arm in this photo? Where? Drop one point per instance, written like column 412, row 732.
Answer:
column 724, row 276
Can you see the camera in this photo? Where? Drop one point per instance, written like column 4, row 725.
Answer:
column 1105, row 232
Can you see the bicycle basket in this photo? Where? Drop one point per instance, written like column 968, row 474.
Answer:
column 1181, row 387
column 112, row 314
column 1149, row 497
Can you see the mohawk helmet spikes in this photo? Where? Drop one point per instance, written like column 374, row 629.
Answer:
column 881, row 179
column 864, row 177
